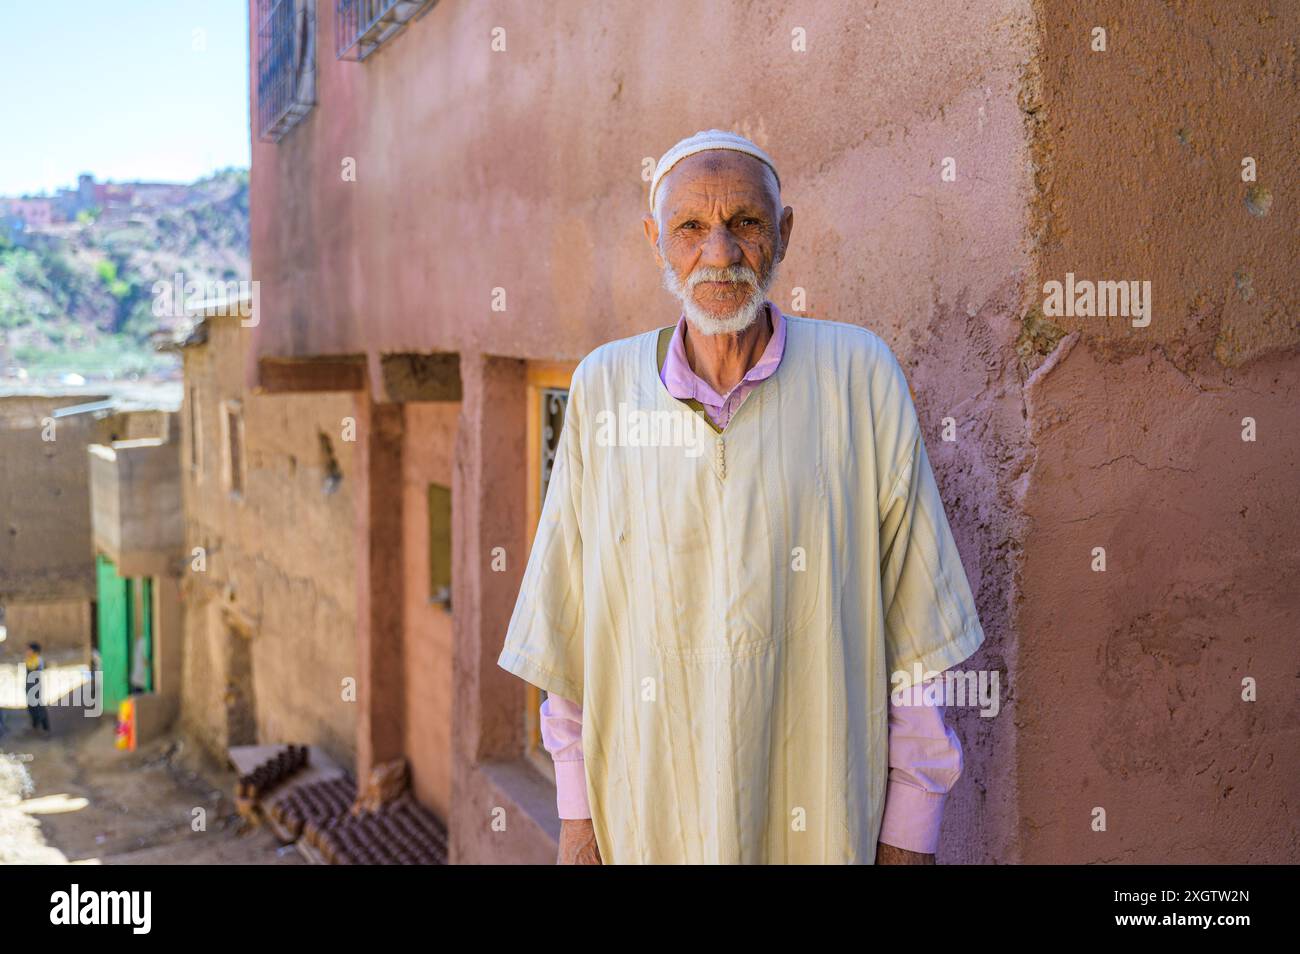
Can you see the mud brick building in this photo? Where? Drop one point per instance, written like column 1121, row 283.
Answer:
column 268, row 578
column 446, row 201
column 47, row 566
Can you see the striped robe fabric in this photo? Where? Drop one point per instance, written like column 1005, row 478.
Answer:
column 729, row 607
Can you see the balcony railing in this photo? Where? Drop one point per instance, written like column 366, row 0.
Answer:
column 286, row 65
column 360, row 26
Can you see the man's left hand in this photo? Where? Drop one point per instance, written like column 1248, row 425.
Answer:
column 889, row 855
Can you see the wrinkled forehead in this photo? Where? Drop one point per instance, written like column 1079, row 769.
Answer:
column 735, row 177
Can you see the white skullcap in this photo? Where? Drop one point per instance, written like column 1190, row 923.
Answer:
column 704, row 140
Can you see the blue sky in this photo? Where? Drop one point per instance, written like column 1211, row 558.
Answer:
column 122, row 89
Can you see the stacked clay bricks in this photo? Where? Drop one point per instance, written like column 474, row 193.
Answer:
column 319, row 802
column 273, row 772
column 402, row 832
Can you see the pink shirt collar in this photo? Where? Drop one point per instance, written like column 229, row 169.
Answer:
column 684, row 384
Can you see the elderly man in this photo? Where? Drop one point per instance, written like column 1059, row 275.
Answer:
column 717, row 631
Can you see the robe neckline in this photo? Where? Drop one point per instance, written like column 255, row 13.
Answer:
column 666, row 396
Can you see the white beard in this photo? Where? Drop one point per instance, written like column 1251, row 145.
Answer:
column 709, row 324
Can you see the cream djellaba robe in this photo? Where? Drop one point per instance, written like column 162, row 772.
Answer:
column 730, row 620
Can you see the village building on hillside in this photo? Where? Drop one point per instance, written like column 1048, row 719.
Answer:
column 88, row 550
column 111, row 200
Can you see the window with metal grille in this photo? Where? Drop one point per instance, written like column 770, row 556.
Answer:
column 548, row 399
column 286, row 65
column 360, row 26
column 554, row 403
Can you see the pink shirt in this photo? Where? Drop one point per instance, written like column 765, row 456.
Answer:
column 925, row 757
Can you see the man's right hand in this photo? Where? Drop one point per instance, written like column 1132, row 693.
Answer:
column 578, row 842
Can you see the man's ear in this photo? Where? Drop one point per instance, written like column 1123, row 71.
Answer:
column 651, row 229
column 787, row 226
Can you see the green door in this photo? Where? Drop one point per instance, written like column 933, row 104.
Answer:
column 114, row 631
column 142, row 641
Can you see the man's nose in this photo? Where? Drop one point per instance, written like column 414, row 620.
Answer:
column 720, row 249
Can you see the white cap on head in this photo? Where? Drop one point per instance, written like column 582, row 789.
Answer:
column 704, row 140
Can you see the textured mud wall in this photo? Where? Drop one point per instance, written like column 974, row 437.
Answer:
column 60, row 627
column 942, row 169
column 522, row 170
column 281, row 569
column 1130, row 680
column 45, row 549
column 429, row 433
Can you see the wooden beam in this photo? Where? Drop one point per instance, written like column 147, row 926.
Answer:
column 334, row 373
column 421, row 377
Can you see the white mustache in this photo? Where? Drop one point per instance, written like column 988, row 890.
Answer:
column 740, row 274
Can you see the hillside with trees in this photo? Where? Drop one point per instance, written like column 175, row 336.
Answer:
column 78, row 297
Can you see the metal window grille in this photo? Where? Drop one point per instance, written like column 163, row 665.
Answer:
column 554, row 403
column 286, row 65
column 360, row 26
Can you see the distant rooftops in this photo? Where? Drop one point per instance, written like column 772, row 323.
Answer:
column 102, row 399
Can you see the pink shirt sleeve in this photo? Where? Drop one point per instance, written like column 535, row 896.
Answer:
column 562, row 737
column 925, row 761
